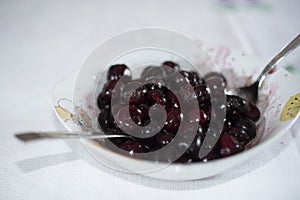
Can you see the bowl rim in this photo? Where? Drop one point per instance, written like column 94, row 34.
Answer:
column 242, row 156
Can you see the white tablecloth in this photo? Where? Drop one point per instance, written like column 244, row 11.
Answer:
column 42, row 41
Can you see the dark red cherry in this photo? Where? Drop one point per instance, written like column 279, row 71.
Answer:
column 134, row 93
column 171, row 67
column 123, row 119
column 145, row 113
column 105, row 121
column 247, row 130
column 188, row 94
column 115, row 72
column 203, row 96
column 184, row 158
column 102, row 101
column 132, row 146
column 107, row 91
column 178, row 79
column 202, row 92
column 212, row 155
column 196, row 79
column 214, row 76
column 236, row 106
column 198, row 115
column 187, row 75
column 151, row 72
column 137, row 115
column 157, row 97
column 228, row 145
column 163, row 138
column 193, row 150
column 171, row 100
column 155, row 83
column 173, row 120
column 253, row 112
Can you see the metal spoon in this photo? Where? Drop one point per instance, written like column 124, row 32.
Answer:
column 29, row 136
column 250, row 93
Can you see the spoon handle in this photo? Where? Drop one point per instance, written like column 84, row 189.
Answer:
column 284, row 52
column 29, row 136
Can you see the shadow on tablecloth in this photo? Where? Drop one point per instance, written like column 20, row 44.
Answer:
column 78, row 152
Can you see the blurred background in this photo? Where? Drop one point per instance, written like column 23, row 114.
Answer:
column 42, row 41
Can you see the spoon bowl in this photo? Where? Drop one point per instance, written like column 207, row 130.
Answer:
column 250, row 93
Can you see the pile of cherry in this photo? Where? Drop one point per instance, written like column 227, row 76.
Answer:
column 239, row 125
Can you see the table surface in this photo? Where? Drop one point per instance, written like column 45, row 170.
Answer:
column 42, row 41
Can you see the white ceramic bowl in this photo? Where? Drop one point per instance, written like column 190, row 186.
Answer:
column 75, row 97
